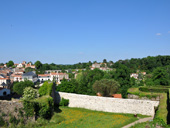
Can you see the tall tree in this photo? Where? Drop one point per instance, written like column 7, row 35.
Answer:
column 106, row 87
column 38, row 64
column 10, row 63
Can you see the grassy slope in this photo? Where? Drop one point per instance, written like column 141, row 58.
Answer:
column 82, row 118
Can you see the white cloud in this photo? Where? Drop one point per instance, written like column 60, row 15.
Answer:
column 158, row 34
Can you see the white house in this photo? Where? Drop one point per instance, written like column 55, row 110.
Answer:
column 30, row 76
column 44, row 77
column 16, row 77
column 4, row 92
column 20, row 65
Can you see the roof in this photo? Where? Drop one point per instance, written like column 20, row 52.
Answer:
column 3, row 84
column 43, row 74
column 29, row 74
column 117, row 95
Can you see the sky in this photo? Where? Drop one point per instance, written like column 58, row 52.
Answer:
column 73, row 31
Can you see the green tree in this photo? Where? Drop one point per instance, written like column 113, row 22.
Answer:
column 104, row 61
column 68, row 86
column 38, row 64
column 106, row 87
column 28, row 69
column 160, row 76
column 10, row 63
column 19, row 87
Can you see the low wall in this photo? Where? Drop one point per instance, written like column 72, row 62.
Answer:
column 10, row 107
column 116, row 105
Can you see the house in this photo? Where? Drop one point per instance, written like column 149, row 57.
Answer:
column 4, row 92
column 134, row 75
column 95, row 65
column 137, row 75
column 16, row 77
column 29, row 65
column 59, row 76
column 18, row 71
column 20, row 65
column 4, row 81
column 44, row 77
column 30, row 76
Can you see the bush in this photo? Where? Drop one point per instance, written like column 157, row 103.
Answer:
column 64, row 102
column 20, row 86
column 2, row 122
column 42, row 107
column 152, row 89
column 46, row 89
column 30, row 93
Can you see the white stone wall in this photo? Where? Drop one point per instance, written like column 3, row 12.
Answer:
column 116, row 105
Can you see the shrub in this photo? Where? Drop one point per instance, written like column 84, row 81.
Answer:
column 46, row 89
column 20, row 86
column 2, row 122
column 42, row 107
column 30, row 93
column 64, row 102
column 153, row 89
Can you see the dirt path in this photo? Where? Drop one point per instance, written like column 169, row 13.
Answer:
column 138, row 121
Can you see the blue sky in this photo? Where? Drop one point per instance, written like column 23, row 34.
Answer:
column 72, row 31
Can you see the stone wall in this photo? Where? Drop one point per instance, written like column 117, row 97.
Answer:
column 116, row 105
column 10, row 107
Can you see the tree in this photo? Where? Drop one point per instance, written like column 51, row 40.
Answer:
column 104, row 61
column 106, row 87
column 10, row 63
column 19, row 87
column 38, row 64
column 28, row 69
column 68, row 86
column 160, row 76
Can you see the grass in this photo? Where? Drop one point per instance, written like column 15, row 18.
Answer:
column 83, row 118
column 162, row 111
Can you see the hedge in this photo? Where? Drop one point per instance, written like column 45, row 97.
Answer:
column 152, row 89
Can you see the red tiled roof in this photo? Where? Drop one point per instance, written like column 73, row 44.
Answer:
column 117, row 95
column 43, row 74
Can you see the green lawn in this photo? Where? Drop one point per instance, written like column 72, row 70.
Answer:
column 83, row 118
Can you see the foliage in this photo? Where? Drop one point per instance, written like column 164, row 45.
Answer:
column 68, row 86
column 122, row 75
column 28, row 69
column 10, row 63
column 30, row 93
column 38, row 64
column 64, row 102
column 153, row 89
column 19, row 87
column 160, row 76
column 106, row 87
column 2, row 122
column 45, row 89
column 42, row 107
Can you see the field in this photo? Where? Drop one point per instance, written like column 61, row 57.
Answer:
column 83, row 118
